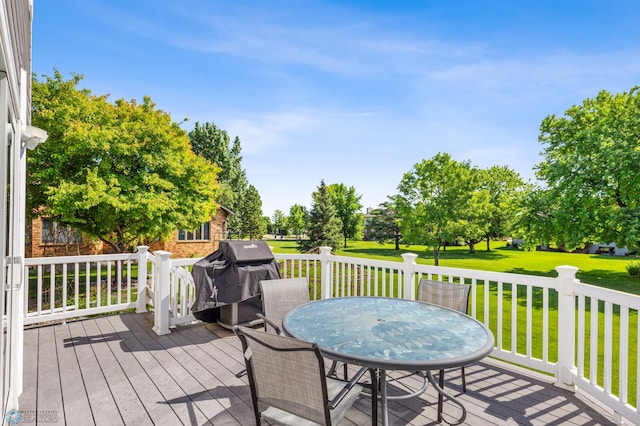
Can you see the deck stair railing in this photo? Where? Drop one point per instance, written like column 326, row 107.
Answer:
column 585, row 336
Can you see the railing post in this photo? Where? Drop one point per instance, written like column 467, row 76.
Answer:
column 565, row 368
column 327, row 274
column 161, row 302
column 141, row 305
column 408, row 270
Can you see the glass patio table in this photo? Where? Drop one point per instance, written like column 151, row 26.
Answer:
column 391, row 334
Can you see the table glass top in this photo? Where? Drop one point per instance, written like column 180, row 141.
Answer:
column 396, row 330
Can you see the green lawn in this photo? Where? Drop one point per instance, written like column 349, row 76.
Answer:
column 602, row 270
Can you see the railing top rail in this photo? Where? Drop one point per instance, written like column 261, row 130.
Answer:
column 504, row 277
column 309, row 256
column 606, row 294
column 34, row 261
column 185, row 262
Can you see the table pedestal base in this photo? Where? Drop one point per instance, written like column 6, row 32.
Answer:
column 381, row 386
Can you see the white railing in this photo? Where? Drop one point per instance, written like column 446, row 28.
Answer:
column 608, row 348
column 58, row 288
column 585, row 336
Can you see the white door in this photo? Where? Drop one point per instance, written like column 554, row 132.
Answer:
column 12, row 213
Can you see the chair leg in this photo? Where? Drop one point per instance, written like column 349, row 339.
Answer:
column 464, row 381
column 440, row 397
column 346, row 371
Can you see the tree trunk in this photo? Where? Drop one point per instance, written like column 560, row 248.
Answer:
column 436, row 255
column 488, row 244
column 472, row 247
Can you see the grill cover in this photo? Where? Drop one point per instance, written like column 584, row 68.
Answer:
column 231, row 274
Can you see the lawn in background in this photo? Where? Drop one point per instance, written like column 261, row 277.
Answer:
column 601, row 270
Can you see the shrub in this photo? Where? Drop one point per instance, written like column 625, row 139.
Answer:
column 633, row 267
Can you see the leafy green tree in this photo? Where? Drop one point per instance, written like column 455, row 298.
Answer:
column 535, row 221
column 324, row 224
column 298, row 219
column 279, row 222
column 121, row 172
column 252, row 223
column 433, row 199
column 506, row 189
column 214, row 144
column 474, row 222
column 591, row 169
column 385, row 226
column 268, row 224
column 347, row 204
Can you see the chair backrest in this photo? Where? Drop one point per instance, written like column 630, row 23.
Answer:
column 450, row 295
column 285, row 373
column 281, row 296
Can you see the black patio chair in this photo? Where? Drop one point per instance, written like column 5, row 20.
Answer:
column 452, row 296
column 279, row 297
column 288, row 382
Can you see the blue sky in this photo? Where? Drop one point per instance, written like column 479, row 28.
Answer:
column 352, row 92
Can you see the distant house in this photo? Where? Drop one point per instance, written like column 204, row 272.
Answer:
column 197, row 242
column 46, row 237
column 609, row 248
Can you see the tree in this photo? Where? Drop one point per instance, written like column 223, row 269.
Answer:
column 121, row 172
column 591, row 169
column 251, row 219
column 385, row 224
column 475, row 217
column 324, row 224
column 535, row 220
column 298, row 218
column 347, row 204
column 268, row 225
column 433, row 199
column 506, row 189
column 214, row 144
column 279, row 222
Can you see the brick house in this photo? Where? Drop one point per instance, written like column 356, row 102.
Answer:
column 199, row 242
column 48, row 238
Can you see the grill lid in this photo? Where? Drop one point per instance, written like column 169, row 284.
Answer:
column 246, row 251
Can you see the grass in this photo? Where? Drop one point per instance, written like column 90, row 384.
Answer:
column 601, row 270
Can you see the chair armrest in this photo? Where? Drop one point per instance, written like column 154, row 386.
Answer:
column 271, row 323
column 347, row 387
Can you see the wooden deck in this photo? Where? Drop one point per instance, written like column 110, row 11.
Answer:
column 116, row 370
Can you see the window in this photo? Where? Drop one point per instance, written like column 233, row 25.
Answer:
column 55, row 233
column 200, row 234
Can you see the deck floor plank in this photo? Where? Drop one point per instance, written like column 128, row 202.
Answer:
column 155, row 405
column 193, row 369
column 116, row 370
column 28, row 399
column 150, row 357
column 103, row 406
column 186, row 399
column 129, row 405
column 232, row 393
column 77, row 410
column 49, row 388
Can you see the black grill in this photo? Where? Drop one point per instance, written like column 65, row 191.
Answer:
column 228, row 282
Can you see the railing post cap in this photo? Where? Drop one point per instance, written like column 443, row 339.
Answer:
column 325, row 250
column 142, row 248
column 409, row 257
column 162, row 254
column 566, row 269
